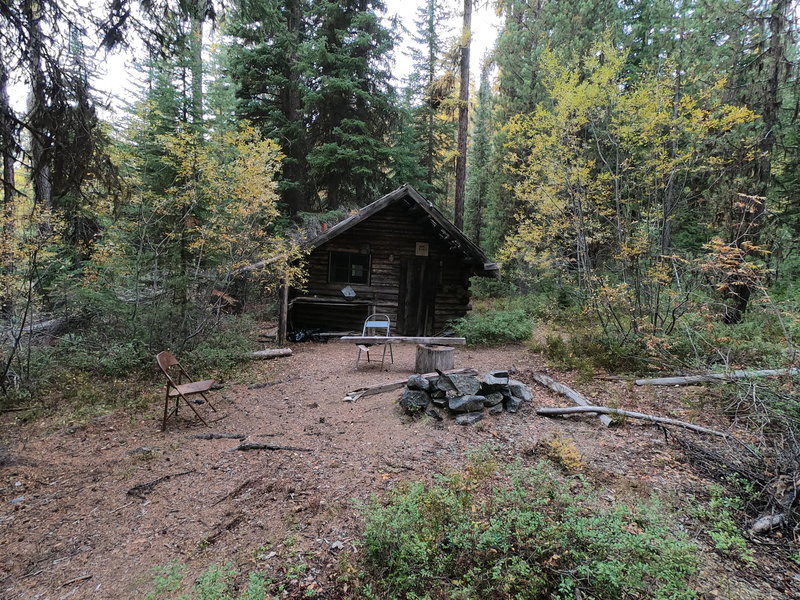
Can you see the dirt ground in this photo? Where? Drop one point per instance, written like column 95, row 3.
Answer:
column 70, row 529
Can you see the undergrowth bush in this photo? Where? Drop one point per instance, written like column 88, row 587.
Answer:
column 526, row 533
column 495, row 327
column 720, row 516
column 217, row 582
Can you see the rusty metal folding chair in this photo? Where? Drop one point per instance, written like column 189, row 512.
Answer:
column 177, row 389
column 376, row 325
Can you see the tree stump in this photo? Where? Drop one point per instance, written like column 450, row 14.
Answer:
column 431, row 358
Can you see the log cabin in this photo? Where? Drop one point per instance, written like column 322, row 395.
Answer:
column 399, row 256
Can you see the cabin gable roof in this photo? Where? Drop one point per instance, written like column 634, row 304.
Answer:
column 456, row 239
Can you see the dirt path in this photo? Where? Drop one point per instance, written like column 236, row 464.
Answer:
column 70, row 529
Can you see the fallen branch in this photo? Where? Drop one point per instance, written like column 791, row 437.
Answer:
column 633, row 415
column 562, row 389
column 76, row 580
column 247, row 446
column 219, row 436
column 271, row 353
column 732, row 376
column 143, row 488
column 396, row 385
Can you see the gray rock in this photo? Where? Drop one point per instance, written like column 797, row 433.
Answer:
column 414, row 401
column 433, row 413
column 418, row 382
column 466, row 403
column 496, row 381
column 520, row 390
column 512, row 403
column 442, row 384
column 465, row 385
column 496, row 409
column 493, row 399
column 469, row 418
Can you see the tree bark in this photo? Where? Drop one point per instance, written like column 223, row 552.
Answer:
column 463, row 117
column 196, row 49
column 37, row 112
column 8, row 147
column 755, row 205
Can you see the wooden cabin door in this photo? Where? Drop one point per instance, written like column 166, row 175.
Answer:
column 416, row 304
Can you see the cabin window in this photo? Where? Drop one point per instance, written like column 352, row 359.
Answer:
column 349, row 267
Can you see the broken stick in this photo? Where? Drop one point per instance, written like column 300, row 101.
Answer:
column 143, row 488
column 219, row 436
column 633, row 415
column 562, row 389
column 396, row 385
column 246, row 446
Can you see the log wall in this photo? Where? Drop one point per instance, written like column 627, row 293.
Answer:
column 388, row 236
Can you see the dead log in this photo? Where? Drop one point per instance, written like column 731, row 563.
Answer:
column 434, row 358
column 271, row 353
column 247, row 446
column 145, row 488
column 731, row 376
column 633, row 415
column 354, row 395
column 562, row 389
column 219, row 436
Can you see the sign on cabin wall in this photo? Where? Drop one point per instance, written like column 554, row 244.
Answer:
column 422, row 249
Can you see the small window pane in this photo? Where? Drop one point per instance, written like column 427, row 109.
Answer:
column 348, row 267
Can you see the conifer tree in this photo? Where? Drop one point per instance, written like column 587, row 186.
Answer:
column 350, row 103
column 479, row 177
column 431, row 86
column 269, row 65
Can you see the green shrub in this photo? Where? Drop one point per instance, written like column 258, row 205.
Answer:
column 589, row 350
column 217, row 582
column 495, row 327
column 719, row 517
column 225, row 348
column 534, row 535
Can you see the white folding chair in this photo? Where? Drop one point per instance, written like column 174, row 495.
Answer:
column 376, row 325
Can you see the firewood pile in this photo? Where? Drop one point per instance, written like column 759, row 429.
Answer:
column 465, row 397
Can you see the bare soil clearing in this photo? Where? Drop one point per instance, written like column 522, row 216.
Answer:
column 70, row 529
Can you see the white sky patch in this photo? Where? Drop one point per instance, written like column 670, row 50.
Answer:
column 115, row 75
column 485, row 25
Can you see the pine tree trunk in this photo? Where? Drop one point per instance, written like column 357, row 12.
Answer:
column 37, row 111
column 295, row 169
column 463, row 117
column 196, row 49
column 756, row 204
column 8, row 148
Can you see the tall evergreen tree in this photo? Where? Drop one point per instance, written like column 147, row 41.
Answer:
column 479, row 174
column 430, row 86
column 268, row 63
column 463, row 115
column 350, row 103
